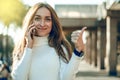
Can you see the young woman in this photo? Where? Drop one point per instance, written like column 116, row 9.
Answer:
column 43, row 52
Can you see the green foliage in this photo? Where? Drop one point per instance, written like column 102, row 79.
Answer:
column 1, row 44
column 6, row 48
column 9, row 45
column 12, row 11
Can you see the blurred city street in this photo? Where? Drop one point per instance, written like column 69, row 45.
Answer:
column 101, row 38
column 87, row 72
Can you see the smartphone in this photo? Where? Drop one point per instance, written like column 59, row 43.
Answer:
column 33, row 33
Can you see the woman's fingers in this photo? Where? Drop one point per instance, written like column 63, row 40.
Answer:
column 78, row 33
column 76, row 38
column 30, row 31
column 81, row 33
column 32, row 25
column 83, row 29
column 29, row 35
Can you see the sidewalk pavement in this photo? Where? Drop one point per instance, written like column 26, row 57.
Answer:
column 88, row 72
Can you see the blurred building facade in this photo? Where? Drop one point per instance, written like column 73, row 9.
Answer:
column 102, row 35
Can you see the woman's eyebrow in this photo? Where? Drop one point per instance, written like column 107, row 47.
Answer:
column 48, row 16
column 45, row 16
column 38, row 15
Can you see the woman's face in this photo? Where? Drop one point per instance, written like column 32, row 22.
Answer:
column 43, row 22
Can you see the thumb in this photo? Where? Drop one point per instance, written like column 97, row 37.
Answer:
column 83, row 29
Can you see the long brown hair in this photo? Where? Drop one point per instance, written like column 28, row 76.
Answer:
column 56, row 37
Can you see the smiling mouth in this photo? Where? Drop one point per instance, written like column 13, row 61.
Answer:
column 41, row 28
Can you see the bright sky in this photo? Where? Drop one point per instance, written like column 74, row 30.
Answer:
column 53, row 2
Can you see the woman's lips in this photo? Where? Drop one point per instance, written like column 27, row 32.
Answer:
column 41, row 28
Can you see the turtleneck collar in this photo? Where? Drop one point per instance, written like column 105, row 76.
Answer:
column 39, row 41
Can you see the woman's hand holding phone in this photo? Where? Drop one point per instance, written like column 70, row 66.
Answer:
column 29, row 35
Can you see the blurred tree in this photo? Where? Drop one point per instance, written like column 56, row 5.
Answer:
column 10, row 46
column 11, row 12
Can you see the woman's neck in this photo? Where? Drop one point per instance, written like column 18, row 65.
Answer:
column 39, row 41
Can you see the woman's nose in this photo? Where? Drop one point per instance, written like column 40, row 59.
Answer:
column 42, row 23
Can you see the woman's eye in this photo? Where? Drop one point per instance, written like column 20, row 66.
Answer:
column 37, row 19
column 48, row 19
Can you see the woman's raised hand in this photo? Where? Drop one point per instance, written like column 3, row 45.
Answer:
column 29, row 36
column 77, row 39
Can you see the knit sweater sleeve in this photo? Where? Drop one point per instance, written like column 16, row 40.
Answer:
column 21, row 68
column 68, row 71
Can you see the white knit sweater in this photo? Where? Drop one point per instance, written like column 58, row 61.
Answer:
column 42, row 63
